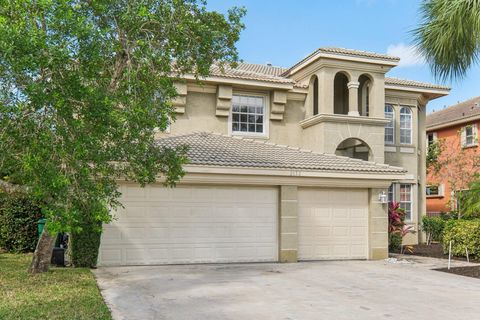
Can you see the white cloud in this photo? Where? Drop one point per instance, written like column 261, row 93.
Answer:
column 409, row 55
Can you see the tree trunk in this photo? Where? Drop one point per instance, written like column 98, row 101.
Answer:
column 43, row 253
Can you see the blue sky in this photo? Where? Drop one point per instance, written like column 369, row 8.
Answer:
column 282, row 32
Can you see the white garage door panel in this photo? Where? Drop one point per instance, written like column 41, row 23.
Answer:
column 333, row 224
column 192, row 225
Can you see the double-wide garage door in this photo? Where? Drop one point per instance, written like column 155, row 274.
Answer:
column 205, row 224
column 192, row 225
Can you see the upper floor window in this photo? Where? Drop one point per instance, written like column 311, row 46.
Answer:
column 315, row 96
column 391, row 193
column 390, row 126
column 431, row 138
column 405, row 125
column 406, row 200
column 434, row 190
column 248, row 114
column 469, row 136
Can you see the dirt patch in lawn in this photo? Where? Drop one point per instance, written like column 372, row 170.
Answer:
column 473, row 272
column 434, row 250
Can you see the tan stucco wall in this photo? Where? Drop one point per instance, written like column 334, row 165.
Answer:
column 201, row 107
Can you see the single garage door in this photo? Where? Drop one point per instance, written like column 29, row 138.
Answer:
column 192, row 224
column 333, row 224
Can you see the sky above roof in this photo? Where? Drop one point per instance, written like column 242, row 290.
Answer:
column 282, row 32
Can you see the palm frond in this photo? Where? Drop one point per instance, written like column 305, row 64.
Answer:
column 449, row 36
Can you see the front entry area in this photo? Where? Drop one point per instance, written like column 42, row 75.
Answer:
column 332, row 224
column 192, row 224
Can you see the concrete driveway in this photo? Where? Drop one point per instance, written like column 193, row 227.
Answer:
column 312, row 290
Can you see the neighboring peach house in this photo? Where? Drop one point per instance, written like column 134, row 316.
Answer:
column 457, row 128
column 285, row 164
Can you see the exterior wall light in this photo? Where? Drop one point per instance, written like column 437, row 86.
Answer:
column 382, row 197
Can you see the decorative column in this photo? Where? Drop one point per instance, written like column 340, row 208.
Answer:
column 353, row 98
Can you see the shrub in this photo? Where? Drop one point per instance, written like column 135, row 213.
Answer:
column 84, row 245
column 18, row 223
column 463, row 234
column 394, row 242
column 433, row 227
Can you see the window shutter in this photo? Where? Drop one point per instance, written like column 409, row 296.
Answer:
column 434, row 136
column 463, row 135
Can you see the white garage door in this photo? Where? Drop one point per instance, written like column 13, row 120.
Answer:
column 192, row 225
column 333, row 224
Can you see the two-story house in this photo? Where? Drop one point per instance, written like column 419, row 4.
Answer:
column 286, row 164
column 456, row 129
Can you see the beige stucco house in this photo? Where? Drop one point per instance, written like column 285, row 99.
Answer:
column 286, row 164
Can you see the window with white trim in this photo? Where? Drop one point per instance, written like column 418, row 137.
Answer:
column 390, row 126
column 469, row 135
column 391, row 193
column 248, row 114
column 434, row 190
column 405, row 125
column 406, row 200
column 431, row 138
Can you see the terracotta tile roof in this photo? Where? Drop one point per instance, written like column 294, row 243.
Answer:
column 211, row 149
column 251, row 71
column 465, row 110
column 348, row 53
column 412, row 83
column 263, row 72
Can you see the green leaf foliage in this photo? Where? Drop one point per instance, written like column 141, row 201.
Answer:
column 85, row 86
column 449, row 36
column 84, row 245
column 18, row 223
column 463, row 234
column 433, row 227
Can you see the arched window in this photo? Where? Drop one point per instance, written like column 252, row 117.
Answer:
column 340, row 94
column 365, row 85
column 405, row 125
column 315, row 96
column 390, row 126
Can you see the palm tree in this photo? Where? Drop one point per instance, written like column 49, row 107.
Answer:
column 449, row 36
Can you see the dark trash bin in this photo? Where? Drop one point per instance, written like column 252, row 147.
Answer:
column 58, row 257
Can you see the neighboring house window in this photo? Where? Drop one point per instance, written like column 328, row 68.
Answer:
column 405, row 125
column 248, row 114
column 431, row 138
column 434, row 191
column 390, row 126
column 406, row 200
column 469, row 135
column 391, row 193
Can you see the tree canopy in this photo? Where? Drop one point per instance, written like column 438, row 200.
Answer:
column 85, row 85
column 449, row 36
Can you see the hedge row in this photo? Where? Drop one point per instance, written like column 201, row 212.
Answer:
column 463, row 234
column 433, row 227
column 18, row 223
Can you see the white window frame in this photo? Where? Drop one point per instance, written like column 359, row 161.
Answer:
column 391, row 193
column 408, row 129
column 473, row 136
column 434, row 138
column 266, row 116
column 439, row 194
column 390, row 124
column 408, row 218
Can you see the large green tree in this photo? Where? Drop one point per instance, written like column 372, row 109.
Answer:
column 449, row 36
column 84, row 85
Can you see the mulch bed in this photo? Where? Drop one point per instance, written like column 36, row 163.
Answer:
column 435, row 250
column 473, row 272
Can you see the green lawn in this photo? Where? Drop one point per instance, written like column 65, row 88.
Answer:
column 61, row 293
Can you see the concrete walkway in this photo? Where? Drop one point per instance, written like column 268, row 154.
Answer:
column 311, row 290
